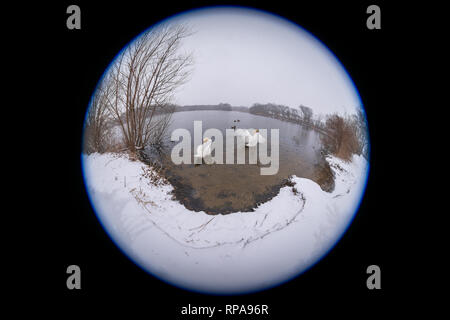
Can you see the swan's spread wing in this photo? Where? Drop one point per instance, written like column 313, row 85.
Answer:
column 247, row 136
column 252, row 141
column 242, row 132
column 207, row 149
column 261, row 139
column 199, row 151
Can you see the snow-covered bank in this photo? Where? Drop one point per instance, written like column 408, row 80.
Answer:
column 230, row 253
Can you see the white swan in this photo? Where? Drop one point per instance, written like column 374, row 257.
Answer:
column 243, row 133
column 255, row 138
column 203, row 151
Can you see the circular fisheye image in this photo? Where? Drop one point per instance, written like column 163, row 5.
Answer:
column 225, row 150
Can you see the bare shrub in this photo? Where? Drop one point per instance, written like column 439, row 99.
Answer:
column 144, row 78
column 342, row 138
column 97, row 137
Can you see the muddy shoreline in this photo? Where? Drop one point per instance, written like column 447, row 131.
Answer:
column 215, row 200
column 185, row 194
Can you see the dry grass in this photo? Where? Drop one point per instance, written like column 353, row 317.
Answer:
column 344, row 136
column 154, row 176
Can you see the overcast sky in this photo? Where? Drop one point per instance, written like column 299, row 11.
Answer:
column 245, row 56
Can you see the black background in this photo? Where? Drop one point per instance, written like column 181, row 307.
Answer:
column 69, row 233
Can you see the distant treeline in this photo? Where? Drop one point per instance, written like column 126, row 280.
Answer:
column 220, row 106
column 303, row 115
column 343, row 135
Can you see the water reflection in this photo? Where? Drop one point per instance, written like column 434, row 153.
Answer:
column 225, row 188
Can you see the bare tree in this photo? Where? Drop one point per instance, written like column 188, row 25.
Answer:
column 144, row 78
column 97, row 126
column 161, row 122
column 307, row 114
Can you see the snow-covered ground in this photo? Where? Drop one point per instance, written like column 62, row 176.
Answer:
column 238, row 252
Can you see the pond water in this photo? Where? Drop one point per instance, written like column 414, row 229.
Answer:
column 226, row 188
